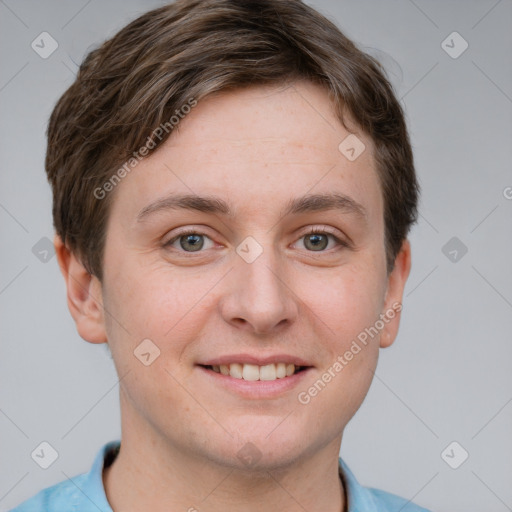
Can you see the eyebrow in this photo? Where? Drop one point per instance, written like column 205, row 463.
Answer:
column 216, row 205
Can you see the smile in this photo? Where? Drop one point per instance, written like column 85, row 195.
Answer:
column 254, row 372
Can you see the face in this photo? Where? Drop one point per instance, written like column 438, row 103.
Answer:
column 250, row 281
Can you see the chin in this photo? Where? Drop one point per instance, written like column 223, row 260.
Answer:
column 261, row 444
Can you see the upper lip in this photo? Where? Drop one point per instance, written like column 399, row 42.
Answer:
column 252, row 359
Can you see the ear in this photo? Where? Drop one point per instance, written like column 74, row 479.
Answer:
column 393, row 300
column 84, row 295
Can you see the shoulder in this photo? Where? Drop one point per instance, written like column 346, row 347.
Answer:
column 369, row 499
column 82, row 493
column 388, row 502
column 63, row 496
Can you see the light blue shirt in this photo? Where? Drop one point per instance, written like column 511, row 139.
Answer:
column 85, row 492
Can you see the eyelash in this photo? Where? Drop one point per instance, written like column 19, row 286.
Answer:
column 312, row 231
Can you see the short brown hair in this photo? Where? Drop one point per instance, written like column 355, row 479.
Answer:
column 135, row 82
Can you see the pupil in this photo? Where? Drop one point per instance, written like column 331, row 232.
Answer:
column 195, row 242
column 314, row 239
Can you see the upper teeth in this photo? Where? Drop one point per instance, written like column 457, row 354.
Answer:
column 254, row 372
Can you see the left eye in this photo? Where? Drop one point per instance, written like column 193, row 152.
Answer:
column 318, row 240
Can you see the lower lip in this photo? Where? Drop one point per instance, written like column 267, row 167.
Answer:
column 256, row 389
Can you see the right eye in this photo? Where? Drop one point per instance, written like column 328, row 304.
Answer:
column 188, row 240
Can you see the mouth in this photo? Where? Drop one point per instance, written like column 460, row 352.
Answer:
column 254, row 372
column 248, row 380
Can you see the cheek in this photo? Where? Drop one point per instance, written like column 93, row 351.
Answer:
column 161, row 308
column 347, row 302
column 156, row 303
column 348, row 308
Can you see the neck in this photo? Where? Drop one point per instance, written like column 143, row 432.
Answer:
column 151, row 474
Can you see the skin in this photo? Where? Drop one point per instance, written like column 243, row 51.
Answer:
column 180, row 432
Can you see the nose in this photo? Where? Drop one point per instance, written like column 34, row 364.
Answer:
column 259, row 298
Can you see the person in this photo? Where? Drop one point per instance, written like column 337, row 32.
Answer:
column 233, row 187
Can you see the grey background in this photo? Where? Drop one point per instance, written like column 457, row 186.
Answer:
column 447, row 377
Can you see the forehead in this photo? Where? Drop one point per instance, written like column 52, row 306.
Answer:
column 260, row 143
column 288, row 120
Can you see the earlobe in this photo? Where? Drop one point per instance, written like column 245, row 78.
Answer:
column 393, row 301
column 84, row 295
